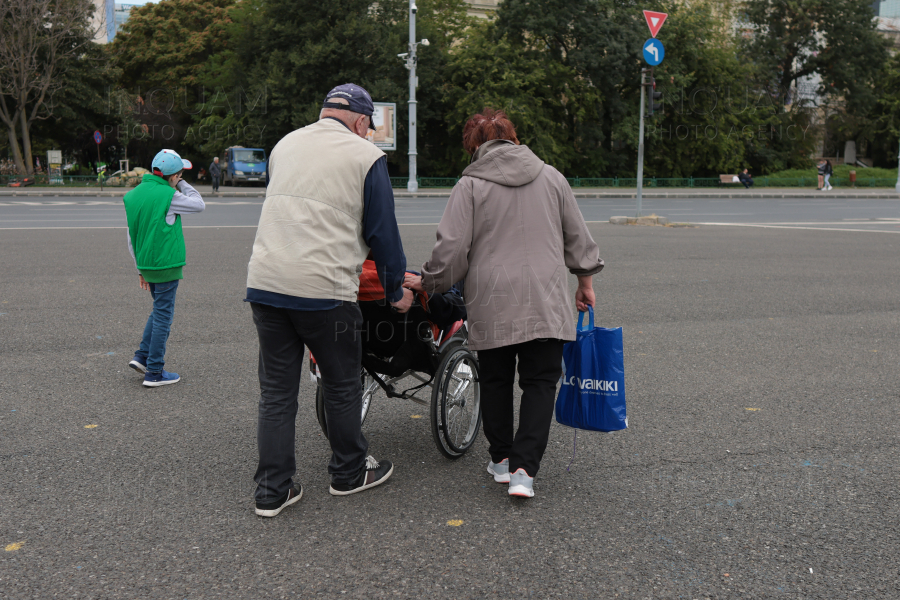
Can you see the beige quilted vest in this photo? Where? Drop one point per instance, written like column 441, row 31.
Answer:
column 309, row 242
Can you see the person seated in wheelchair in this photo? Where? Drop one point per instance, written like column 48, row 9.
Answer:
column 394, row 343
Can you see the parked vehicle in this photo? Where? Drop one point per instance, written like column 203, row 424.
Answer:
column 243, row 166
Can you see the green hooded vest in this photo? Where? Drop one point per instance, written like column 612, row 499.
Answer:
column 158, row 247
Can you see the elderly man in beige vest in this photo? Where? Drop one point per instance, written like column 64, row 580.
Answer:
column 328, row 204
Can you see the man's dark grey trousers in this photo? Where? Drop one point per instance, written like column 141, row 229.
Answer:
column 333, row 336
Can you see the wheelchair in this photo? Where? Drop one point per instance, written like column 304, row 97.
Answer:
column 421, row 356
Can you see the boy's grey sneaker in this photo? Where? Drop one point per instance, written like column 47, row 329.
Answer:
column 521, row 485
column 138, row 365
column 500, row 470
column 375, row 473
column 271, row 509
column 161, row 378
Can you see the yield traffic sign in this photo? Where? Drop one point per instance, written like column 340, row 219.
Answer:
column 655, row 21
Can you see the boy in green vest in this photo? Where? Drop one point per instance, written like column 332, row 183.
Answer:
column 156, row 243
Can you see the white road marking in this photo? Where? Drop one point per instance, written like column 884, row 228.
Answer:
column 766, row 226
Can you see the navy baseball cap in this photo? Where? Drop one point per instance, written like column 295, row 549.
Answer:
column 359, row 100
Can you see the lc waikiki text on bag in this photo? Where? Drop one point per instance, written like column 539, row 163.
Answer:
column 592, row 394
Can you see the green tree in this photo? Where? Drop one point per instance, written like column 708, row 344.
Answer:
column 716, row 117
column 835, row 40
column 39, row 40
column 545, row 99
column 885, row 125
column 81, row 106
column 163, row 50
column 287, row 55
column 821, row 52
column 601, row 41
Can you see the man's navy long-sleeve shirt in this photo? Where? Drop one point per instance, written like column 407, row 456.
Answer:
column 381, row 234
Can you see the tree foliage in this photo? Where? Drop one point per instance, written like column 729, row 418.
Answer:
column 600, row 41
column 834, row 40
column 546, row 100
column 287, row 54
column 163, row 52
column 207, row 74
column 38, row 40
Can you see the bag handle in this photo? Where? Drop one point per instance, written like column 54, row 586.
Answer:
column 581, row 318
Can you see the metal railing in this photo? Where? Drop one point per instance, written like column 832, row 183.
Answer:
column 42, row 179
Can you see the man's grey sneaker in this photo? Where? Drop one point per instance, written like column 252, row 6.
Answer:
column 521, row 485
column 138, row 364
column 500, row 470
column 271, row 509
column 161, row 378
column 375, row 473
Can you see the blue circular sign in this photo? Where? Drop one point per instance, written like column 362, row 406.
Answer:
column 654, row 53
column 97, row 137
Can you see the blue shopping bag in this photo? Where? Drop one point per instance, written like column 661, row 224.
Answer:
column 592, row 395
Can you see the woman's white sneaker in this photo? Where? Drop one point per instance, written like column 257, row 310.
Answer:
column 500, row 470
column 521, row 485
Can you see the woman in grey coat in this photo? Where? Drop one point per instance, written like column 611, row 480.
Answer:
column 512, row 230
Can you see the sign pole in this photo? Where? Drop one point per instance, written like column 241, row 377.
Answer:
column 640, row 169
column 654, row 52
column 98, row 137
column 98, row 166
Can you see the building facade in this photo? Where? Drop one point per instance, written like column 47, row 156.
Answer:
column 109, row 16
column 888, row 13
column 103, row 21
column 889, row 9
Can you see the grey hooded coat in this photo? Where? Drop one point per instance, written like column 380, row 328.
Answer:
column 512, row 230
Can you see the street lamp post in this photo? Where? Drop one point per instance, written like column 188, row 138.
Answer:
column 897, row 187
column 411, row 60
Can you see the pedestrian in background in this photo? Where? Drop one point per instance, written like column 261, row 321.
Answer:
column 328, row 203
column 746, row 179
column 829, row 170
column 214, row 172
column 511, row 229
column 155, row 240
column 821, row 171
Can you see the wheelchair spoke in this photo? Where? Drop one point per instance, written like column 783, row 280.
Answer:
column 460, row 423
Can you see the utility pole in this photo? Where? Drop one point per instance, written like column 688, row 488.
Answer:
column 413, row 184
column 411, row 60
column 897, row 187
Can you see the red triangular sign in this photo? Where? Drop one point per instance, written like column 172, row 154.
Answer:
column 655, row 21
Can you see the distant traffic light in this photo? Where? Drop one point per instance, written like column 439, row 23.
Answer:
column 653, row 96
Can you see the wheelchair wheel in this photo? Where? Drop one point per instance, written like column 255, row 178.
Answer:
column 456, row 403
column 369, row 388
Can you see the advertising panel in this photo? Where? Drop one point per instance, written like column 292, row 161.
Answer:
column 385, row 121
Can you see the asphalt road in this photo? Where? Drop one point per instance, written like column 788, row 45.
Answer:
column 826, row 212
column 760, row 462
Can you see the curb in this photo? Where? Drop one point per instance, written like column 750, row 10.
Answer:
column 118, row 194
column 652, row 220
column 628, row 195
column 808, row 195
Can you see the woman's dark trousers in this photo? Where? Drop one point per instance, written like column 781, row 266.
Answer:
column 540, row 367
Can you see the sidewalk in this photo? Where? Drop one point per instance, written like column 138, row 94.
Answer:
column 260, row 192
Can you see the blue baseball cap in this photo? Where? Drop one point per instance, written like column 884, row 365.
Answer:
column 359, row 100
column 168, row 162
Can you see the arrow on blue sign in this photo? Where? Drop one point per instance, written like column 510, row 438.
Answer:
column 654, row 52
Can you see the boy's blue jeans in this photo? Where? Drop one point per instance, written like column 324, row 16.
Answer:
column 156, row 332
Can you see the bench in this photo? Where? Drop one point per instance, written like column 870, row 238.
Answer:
column 723, row 179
